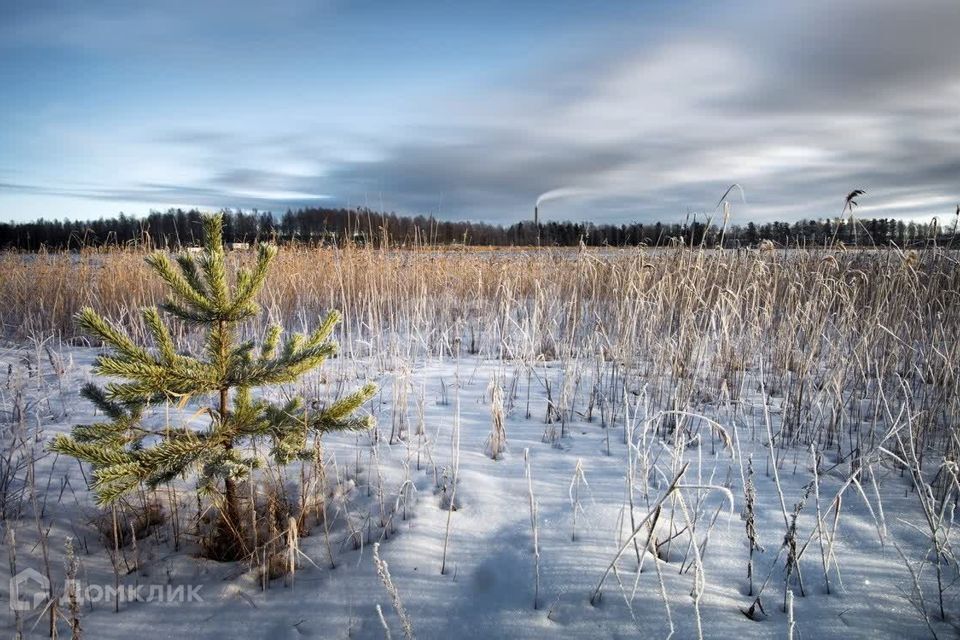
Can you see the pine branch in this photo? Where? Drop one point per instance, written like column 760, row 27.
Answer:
column 288, row 366
column 241, row 355
column 213, row 264
column 172, row 456
column 91, row 322
column 188, row 267
column 113, row 434
column 325, row 424
column 98, row 397
column 289, row 446
column 113, row 482
column 251, row 282
column 284, row 417
column 348, row 404
column 98, row 455
column 183, row 292
column 187, row 315
column 149, row 381
column 247, row 417
column 323, row 332
column 337, row 417
column 270, row 342
column 161, row 336
column 218, row 346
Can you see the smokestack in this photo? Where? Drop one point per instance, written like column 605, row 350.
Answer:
column 536, row 215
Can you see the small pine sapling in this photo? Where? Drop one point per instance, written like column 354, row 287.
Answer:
column 126, row 455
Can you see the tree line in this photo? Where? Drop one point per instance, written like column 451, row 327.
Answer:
column 178, row 228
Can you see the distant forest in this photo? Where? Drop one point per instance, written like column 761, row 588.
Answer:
column 177, row 228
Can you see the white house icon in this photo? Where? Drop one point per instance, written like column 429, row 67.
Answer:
column 20, row 590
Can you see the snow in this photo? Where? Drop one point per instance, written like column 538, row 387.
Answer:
column 487, row 590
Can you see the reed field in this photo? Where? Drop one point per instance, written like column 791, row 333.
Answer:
column 569, row 443
column 382, row 321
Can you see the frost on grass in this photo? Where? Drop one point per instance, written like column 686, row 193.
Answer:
column 816, row 389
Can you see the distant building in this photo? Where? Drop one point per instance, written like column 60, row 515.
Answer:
column 328, row 239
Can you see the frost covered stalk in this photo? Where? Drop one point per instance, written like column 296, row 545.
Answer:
column 938, row 513
column 400, row 393
column 497, row 441
column 918, row 602
column 321, row 473
column 699, row 581
column 638, row 528
column 574, row 493
column 455, row 455
column 12, row 557
column 115, row 559
column 535, row 529
column 293, row 548
column 816, row 495
column 790, row 543
column 72, row 565
column 383, row 623
column 791, row 623
column 421, row 422
column 750, row 499
column 384, row 572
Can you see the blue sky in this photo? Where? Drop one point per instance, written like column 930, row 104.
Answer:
column 470, row 110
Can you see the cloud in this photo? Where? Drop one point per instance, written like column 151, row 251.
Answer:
column 858, row 54
column 186, row 195
column 798, row 104
column 858, row 96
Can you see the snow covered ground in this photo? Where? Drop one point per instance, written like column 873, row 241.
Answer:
column 488, row 587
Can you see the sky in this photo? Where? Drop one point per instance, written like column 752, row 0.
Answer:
column 624, row 111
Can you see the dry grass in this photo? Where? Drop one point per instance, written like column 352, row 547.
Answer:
column 857, row 350
column 826, row 326
column 675, row 310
